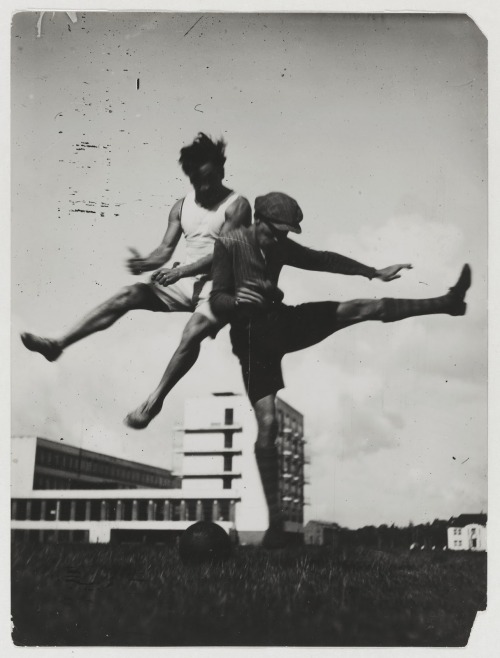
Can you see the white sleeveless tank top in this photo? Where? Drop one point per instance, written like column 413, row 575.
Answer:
column 201, row 226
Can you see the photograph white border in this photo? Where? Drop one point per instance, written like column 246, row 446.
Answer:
column 486, row 15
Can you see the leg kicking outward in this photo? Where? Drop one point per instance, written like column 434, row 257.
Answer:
column 206, row 212
column 246, row 267
column 183, row 359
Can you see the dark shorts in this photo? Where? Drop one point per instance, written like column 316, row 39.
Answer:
column 261, row 343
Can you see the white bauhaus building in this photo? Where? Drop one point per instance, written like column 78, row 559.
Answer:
column 64, row 493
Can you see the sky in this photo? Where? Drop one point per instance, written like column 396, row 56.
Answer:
column 376, row 124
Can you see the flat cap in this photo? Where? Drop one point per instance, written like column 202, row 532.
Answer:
column 280, row 210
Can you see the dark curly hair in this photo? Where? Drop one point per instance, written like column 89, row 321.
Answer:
column 201, row 151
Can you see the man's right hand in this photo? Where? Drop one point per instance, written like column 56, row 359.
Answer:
column 136, row 264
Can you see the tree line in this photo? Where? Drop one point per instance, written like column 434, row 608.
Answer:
column 426, row 535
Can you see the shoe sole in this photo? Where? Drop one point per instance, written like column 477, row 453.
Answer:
column 460, row 310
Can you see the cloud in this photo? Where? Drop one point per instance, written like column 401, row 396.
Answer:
column 375, row 489
column 351, row 405
column 366, row 427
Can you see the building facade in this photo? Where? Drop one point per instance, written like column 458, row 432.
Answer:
column 293, row 459
column 219, row 434
column 63, row 493
column 100, row 516
column 39, row 463
column 467, row 532
column 322, row 533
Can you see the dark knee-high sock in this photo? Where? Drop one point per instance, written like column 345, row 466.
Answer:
column 399, row 309
column 452, row 303
column 268, row 465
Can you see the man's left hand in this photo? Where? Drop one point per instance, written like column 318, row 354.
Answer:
column 249, row 297
column 392, row 272
column 166, row 276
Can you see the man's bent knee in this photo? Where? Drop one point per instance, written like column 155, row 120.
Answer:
column 196, row 330
column 136, row 296
column 267, row 425
column 361, row 310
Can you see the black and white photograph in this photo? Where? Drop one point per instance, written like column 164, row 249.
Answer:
column 249, row 328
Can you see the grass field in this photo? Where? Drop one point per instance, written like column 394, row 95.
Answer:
column 138, row 595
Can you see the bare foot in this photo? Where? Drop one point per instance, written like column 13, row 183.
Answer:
column 143, row 415
column 47, row 347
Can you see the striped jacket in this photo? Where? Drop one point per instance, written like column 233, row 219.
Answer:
column 239, row 261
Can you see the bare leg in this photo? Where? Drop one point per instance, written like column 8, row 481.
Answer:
column 266, row 455
column 183, row 359
column 267, row 424
column 137, row 296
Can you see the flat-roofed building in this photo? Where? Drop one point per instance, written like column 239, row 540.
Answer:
column 39, row 463
column 219, row 433
column 64, row 493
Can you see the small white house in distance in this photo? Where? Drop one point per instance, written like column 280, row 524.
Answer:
column 467, row 532
column 321, row 533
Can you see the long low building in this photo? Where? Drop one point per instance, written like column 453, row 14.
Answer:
column 63, row 493
column 39, row 463
column 114, row 515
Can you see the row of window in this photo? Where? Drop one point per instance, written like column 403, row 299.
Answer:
column 96, row 467
column 458, row 531
column 458, row 543
column 122, row 510
column 57, row 482
column 51, row 482
column 290, row 488
column 291, row 467
column 166, row 537
column 290, row 504
column 288, row 442
column 51, row 536
column 288, row 422
column 293, row 514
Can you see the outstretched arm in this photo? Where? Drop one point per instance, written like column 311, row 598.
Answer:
column 238, row 214
column 392, row 272
column 162, row 253
column 328, row 261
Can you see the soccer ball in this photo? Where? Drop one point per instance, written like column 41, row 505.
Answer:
column 204, row 542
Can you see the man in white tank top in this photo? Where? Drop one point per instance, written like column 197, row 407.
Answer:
column 206, row 212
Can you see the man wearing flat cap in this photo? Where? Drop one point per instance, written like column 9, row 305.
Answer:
column 246, row 267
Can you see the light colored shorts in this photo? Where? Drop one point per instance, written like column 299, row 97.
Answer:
column 191, row 294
